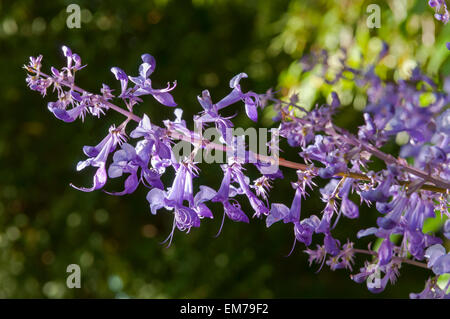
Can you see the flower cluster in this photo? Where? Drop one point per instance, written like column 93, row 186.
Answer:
column 407, row 192
column 441, row 12
column 401, row 192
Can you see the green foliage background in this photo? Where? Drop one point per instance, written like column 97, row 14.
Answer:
column 45, row 225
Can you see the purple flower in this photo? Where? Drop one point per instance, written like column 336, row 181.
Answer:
column 366, row 232
column 35, row 63
column 250, row 99
column 295, row 210
column 331, row 245
column 156, row 199
column 430, row 156
column 155, row 140
column 441, row 11
column 399, row 204
column 72, row 58
column 106, row 92
column 123, row 78
column 277, row 213
column 143, row 84
column 211, row 114
column 419, row 210
column 257, row 205
column 234, row 212
column 385, row 252
column 204, row 194
column 431, row 291
column 438, row 259
column 349, row 209
column 380, row 193
column 433, row 3
column 297, row 134
column 262, row 185
column 447, row 229
column 442, row 265
column 231, row 207
column 124, row 161
column 317, row 255
column 288, row 215
column 367, row 131
column 224, row 191
column 378, row 287
column 127, row 160
column 98, row 156
column 304, row 229
column 185, row 217
column 58, row 108
column 81, row 104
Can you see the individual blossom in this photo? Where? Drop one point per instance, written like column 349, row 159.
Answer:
column 155, row 141
column 441, row 10
column 211, row 114
column 59, row 108
column 34, row 79
column 238, row 176
column 329, row 196
column 232, row 208
column 438, row 259
column 73, row 62
column 282, row 212
column 143, row 84
column 250, row 99
column 305, row 229
column 385, row 252
column 173, row 199
column 342, row 260
column 262, row 186
column 346, row 256
column 348, row 208
column 447, row 229
column 379, row 194
column 332, row 245
column 125, row 161
column 431, row 291
column 392, row 218
column 128, row 160
column 318, row 255
column 98, row 155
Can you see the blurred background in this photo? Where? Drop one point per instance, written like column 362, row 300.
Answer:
column 45, row 225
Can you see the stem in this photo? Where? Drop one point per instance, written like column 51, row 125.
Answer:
column 402, row 260
column 110, row 105
column 389, row 159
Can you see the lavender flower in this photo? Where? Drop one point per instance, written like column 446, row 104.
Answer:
column 250, row 99
column 98, row 155
column 441, row 10
column 438, row 259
